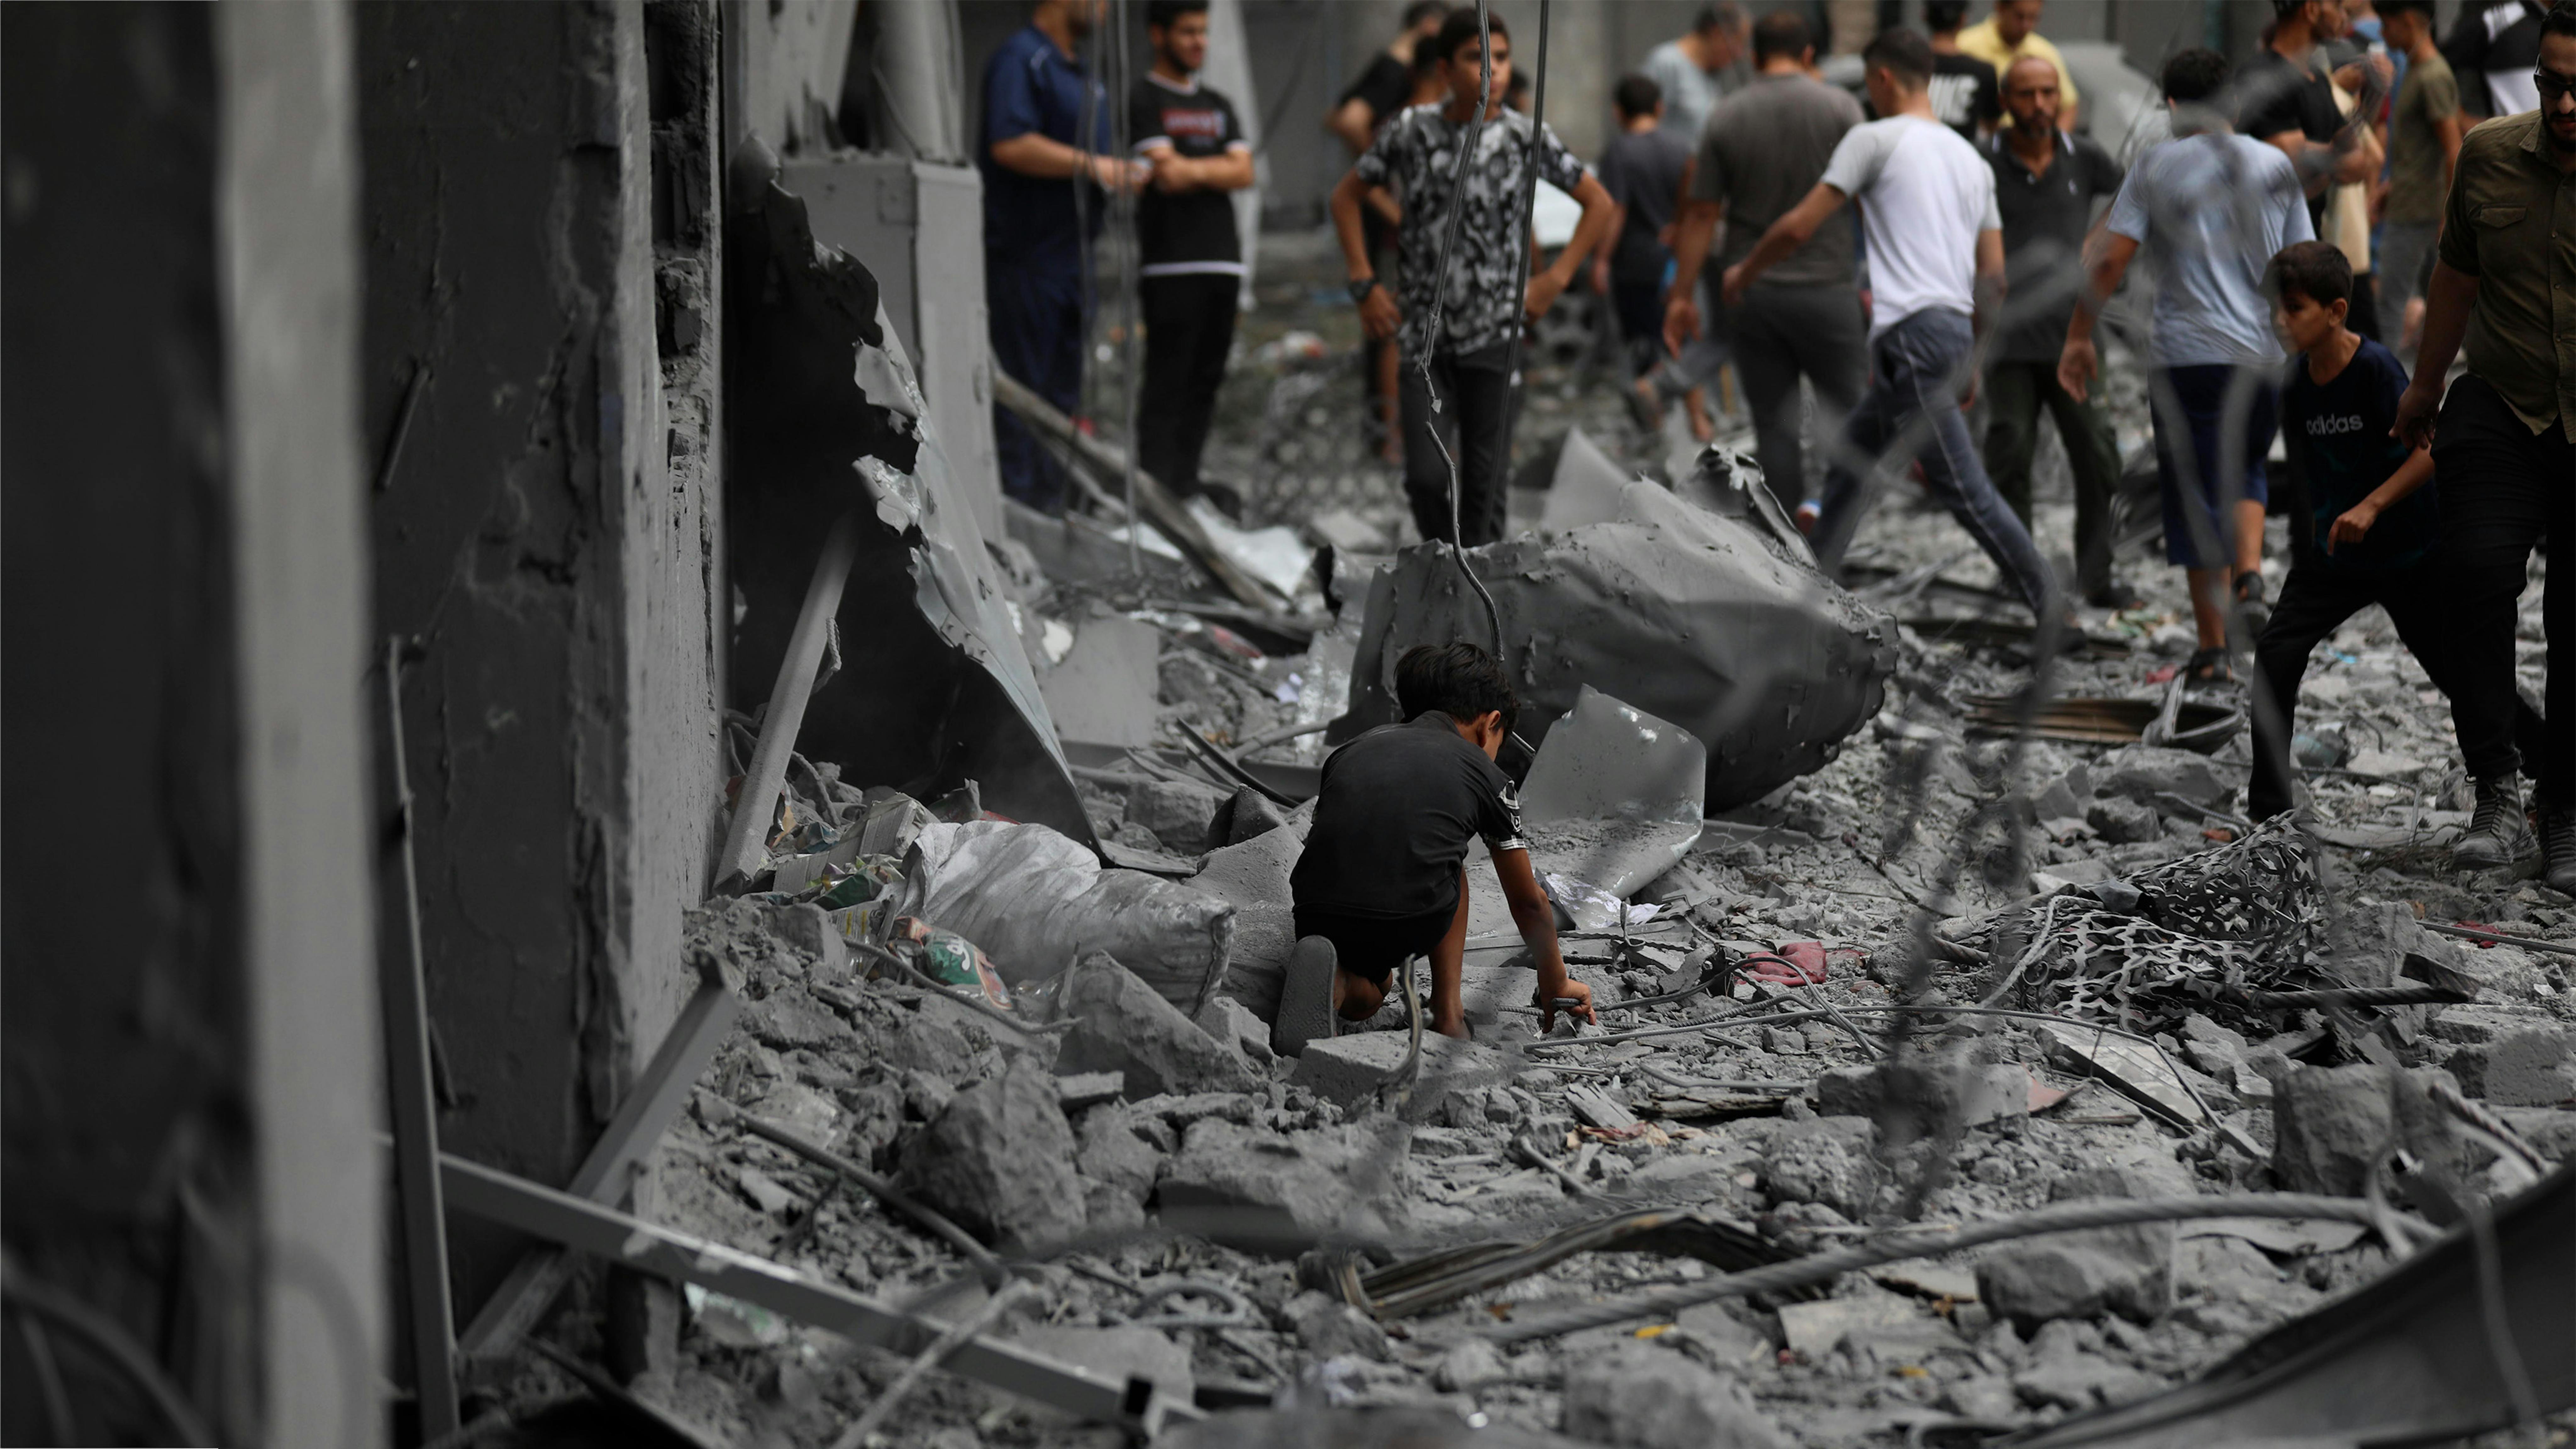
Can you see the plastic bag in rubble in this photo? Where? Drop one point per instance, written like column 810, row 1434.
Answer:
column 1715, row 623
column 947, row 960
column 1036, row 901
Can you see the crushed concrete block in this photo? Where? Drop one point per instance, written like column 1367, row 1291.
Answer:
column 2330, row 1124
column 1112, row 1152
column 1078, row 1090
column 1109, row 1208
column 1255, row 1188
column 1468, row 1365
column 1985, row 1397
column 1925, row 1097
column 2123, row 1270
column 1327, row 1327
column 790, row 1017
column 1177, row 1113
column 2124, row 822
column 1348, row 1070
column 2215, row 1049
column 1727, row 1339
column 1103, row 692
column 764, row 1191
column 1179, row 813
column 1121, row 1024
column 2534, row 1068
column 2481, row 1023
column 1244, row 815
column 1232, row 1022
column 2079, row 1380
column 1654, row 1398
column 2142, row 772
column 926, row 1096
column 1120, row 1354
column 999, row 1160
column 1253, row 878
column 1813, row 1330
column 1827, row 1161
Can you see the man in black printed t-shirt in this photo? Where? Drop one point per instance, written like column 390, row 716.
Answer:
column 1190, row 259
column 1966, row 93
column 1383, row 878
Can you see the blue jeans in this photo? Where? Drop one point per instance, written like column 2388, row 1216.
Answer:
column 1913, row 400
column 1035, row 308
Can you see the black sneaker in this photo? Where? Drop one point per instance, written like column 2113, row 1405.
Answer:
column 2498, row 833
column 2558, row 850
column 2115, row 596
column 1305, row 998
column 2249, row 600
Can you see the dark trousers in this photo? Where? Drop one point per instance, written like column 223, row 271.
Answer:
column 1780, row 334
column 1189, row 325
column 2314, row 603
column 1037, row 327
column 1914, row 392
column 2015, row 392
column 2213, row 426
column 1639, row 302
column 2503, row 490
column 1475, row 421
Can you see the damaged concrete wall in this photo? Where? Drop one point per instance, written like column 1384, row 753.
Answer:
column 191, row 1073
column 793, row 54
column 546, row 537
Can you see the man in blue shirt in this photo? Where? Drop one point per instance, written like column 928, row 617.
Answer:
column 1049, row 161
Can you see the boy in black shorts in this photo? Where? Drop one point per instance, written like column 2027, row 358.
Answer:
column 2377, row 528
column 1383, row 878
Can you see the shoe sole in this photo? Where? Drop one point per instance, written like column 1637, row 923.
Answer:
column 1305, row 998
column 2487, row 853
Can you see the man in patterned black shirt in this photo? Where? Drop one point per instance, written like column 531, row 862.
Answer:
column 1469, row 360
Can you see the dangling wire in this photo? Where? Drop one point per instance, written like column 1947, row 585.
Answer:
column 1130, row 262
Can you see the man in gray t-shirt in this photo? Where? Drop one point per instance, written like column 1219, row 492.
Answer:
column 1763, row 149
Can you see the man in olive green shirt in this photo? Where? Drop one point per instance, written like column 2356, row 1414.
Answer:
column 2505, row 445
column 2424, row 127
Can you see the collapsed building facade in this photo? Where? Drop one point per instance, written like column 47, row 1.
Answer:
column 502, row 538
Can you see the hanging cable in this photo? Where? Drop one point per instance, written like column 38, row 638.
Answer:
column 1129, row 264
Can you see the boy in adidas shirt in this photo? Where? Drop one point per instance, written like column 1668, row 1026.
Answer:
column 2377, row 525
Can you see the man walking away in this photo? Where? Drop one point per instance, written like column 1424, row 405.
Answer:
column 2424, row 130
column 1469, row 358
column 1642, row 169
column 1966, row 94
column 2210, row 210
column 1383, row 91
column 1034, row 152
column 2284, row 98
column 1691, row 72
column 2047, row 182
column 2495, row 44
column 1936, row 269
column 2506, row 444
column 2348, row 203
column 1763, row 152
column 2013, row 32
column 1190, row 262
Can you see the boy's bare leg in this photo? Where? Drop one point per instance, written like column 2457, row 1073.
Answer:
column 2249, row 537
column 1448, row 969
column 1355, row 998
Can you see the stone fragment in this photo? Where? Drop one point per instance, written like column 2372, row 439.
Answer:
column 1826, row 1161
column 1926, row 1097
column 999, row 1160
column 2142, row 772
column 764, row 1190
column 2061, row 1371
column 1111, row 1152
column 1232, row 1022
column 2533, row 1068
column 1327, row 1327
column 1180, row 1112
column 2120, row 1270
column 2123, row 822
column 1729, row 1340
column 1985, row 1398
column 1253, row 878
column 2331, row 1124
column 1470, row 1363
column 1813, row 1330
column 1121, row 1354
column 1348, row 1070
column 1263, row 1189
column 791, row 1017
column 1179, row 813
column 1653, row 1398
column 1087, row 1089
column 1121, row 1024
column 926, row 1096
column 1247, row 813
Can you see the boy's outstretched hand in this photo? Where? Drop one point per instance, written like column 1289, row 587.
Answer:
column 1573, row 997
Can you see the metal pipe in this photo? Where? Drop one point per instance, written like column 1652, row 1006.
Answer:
column 747, row 834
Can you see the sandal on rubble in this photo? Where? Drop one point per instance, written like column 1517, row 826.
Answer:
column 2249, row 599
column 2209, row 666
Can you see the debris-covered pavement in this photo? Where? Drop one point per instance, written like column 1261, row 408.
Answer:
column 1993, row 956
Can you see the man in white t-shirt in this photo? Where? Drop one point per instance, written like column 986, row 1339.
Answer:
column 1935, row 245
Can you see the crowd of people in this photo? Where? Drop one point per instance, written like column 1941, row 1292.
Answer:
column 2320, row 231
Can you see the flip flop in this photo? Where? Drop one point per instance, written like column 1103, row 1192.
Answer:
column 1305, row 998
column 2210, row 666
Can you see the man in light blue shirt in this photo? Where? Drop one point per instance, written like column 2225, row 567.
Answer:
column 2210, row 209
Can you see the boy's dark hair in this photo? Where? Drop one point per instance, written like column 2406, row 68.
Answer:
column 1721, row 16
column 2318, row 271
column 2195, row 75
column 1903, row 53
column 1460, row 29
column 1636, row 96
column 1421, row 10
column 1782, row 32
column 1458, row 679
column 1943, row 16
column 1164, row 12
column 2409, row 7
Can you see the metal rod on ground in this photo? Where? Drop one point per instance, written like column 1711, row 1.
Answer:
column 2466, row 933
column 930, row 1358
column 747, row 834
column 413, row 1100
column 1281, row 737
column 877, row 1187
column 1167, row 515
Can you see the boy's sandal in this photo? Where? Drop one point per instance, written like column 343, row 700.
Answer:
column 2249, row 598
column 2209, row 666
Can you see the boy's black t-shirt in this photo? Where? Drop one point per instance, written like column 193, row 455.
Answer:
column 2336, row 434
column 1398, row 809
column 1642, row 171
column 1185, row 231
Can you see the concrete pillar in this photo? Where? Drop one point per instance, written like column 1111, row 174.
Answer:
column 541, row 249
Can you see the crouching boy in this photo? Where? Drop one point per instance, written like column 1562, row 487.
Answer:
column 1384, row 878
column 2377, row 524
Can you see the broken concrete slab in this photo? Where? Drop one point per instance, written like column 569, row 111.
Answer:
column 2332, row 1125
column 999, row 1160
column 1119, row 1354
column 1121, row 1024
column 1266, row 1191
column 1327, row 1327
column 1829, row 1160
column 2142, row 772
column 2123, row 1270
column 2124, row 822
column 1103, row 691
column 1179, row 812
column 1813, row 1330
column 1233, row 1024
column 1245, row 814
column 1926, row 1096
column 1654, row 1398
column 1113, row 1152
column 1253, row 878
column 1348, row 1071
column 2532, row 1068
